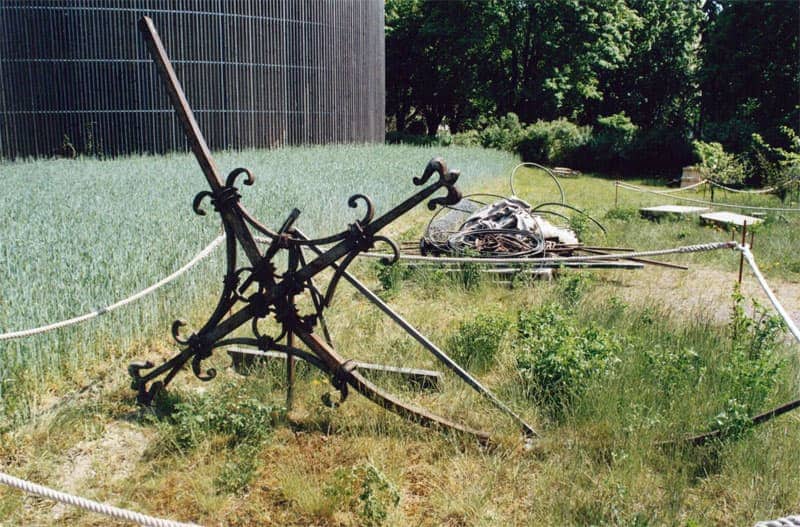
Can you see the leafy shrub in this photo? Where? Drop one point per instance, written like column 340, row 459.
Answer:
column 469, row 274
column 556, row 359
column 553, row 142
column 775, row 166
column 573, row 286
column 751, row 369
column 242, row 418
column 505, row 134
column 718, row 164
column 610, row 144
column 367, row 490
column 622, row 213
column 674, row 367
column 391, row 276
column 237, row 473
column 476, row 343
column 467, row 138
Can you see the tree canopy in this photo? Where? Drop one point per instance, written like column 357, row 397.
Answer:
column 718, row 70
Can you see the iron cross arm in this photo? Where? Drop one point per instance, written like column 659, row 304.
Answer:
column 256, row 291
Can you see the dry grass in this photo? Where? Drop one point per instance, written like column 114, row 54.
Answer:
column 598, row 465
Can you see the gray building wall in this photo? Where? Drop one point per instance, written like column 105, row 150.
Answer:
column 258, row 73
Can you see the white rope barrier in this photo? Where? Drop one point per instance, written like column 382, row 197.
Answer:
column 634, row 188
column 739, row 191
column 539, row 261
column 674, row 190
column 788, row 521
column 748, row 256
column 89, row 505
column 102, row 311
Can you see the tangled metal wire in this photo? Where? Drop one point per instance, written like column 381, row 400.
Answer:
column 502, row 227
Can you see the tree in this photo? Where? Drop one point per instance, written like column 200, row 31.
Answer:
column 656, row 85
column 750, row 77
column 547, row 57
column 433, row 50
column 540, row 59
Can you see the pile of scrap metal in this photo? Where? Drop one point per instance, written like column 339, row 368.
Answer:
column 507, row 236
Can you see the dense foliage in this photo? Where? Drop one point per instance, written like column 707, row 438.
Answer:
column 649, row 76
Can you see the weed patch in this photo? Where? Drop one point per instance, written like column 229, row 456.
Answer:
column 366, row 490
column 477, row 341
column 556, row 358
column 226, row 411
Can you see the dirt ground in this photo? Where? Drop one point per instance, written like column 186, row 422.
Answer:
column 703, row 292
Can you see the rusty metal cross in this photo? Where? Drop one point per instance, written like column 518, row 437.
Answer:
column 257, row 290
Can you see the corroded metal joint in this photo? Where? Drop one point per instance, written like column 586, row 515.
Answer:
column 360, row 239
column 225, row 199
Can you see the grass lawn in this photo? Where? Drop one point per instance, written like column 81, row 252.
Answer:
column 612, row 368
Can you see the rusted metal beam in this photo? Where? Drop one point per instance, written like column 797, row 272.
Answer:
column 420, row 378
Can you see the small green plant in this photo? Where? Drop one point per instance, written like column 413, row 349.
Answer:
column 579, row 224
column 733, row 422
column 622, row 213
column 476, row 342
column 556, row 358
column 573, row 286
column 237, row 473
column 674, row 367
column 750, row 371
column 367, row 490
column 226, row 411
column 391, row 276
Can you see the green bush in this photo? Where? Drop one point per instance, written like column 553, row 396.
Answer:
column 622, row 213
column 476, row 343
column 237, row 473
column 391, row 276
column 718, row 164
column 367, row 491
column 751, row 368
column 553, row 142
column 775, row 166
column 226, row 411
column 556, row 359
column 611, row 142
column 467, row 138
column 504, row 134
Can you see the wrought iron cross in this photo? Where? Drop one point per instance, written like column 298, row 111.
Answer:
column 257, row 290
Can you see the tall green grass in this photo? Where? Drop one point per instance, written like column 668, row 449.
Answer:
column 76, row 235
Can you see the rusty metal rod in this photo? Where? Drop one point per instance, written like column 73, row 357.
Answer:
column 431, row 347
column 642, row 260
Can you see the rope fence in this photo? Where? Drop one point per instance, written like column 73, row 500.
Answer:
column 116, row 305
column 787, row 521
column 634, row 188
column 89, row 505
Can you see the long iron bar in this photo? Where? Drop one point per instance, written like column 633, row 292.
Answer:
column 642, row 260
column 421, row 377
column 431, row 347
